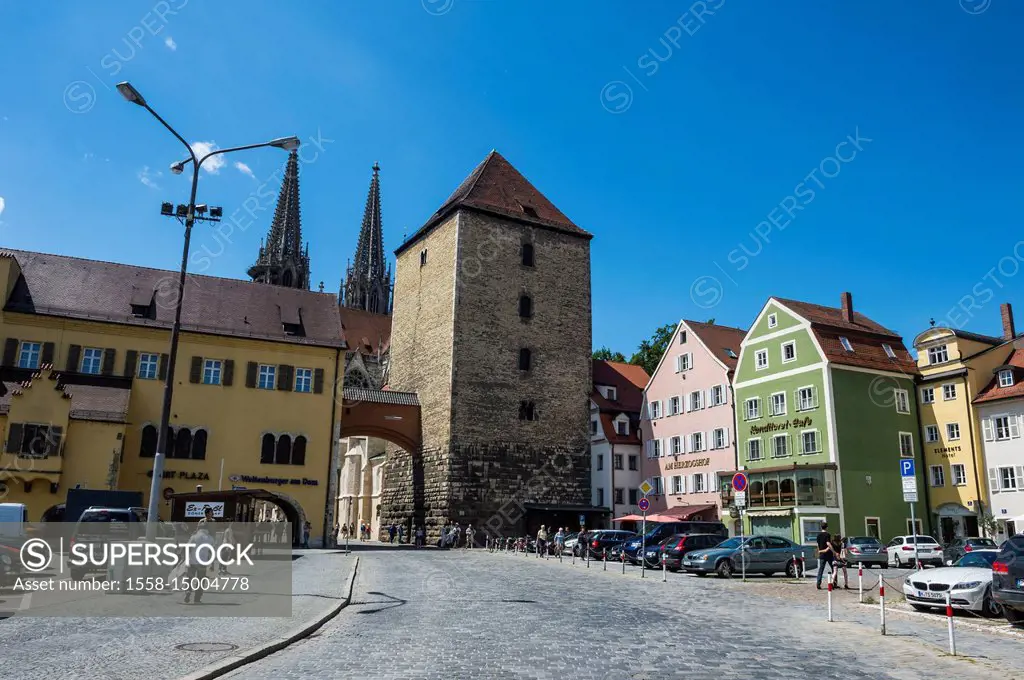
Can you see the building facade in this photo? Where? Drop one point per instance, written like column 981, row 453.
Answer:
column 616, row 466
column 825, row 412
column 1000, row 410
column 955, row 366
column 689, row 423
column 83, row 371
column 492, row 329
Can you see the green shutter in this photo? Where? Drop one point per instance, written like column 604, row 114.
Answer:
column 131, row 358
column 284, row 377
column 14, row 438
column 10, row 352
column 251, row 369
column 318, row 381
column 195, row 372
column 74, row 355
column 162, row 367
column 229, row 372
column 47, row 357
column 109, row 355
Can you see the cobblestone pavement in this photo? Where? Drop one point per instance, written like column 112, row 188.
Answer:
column 130, row 649
column 464, row 614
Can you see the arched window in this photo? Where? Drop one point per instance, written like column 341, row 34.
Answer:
column 524, row 359
column 182, row 443
column 267, row 449
column 199, row 445
column 148, row 447
column 284, row 450
column 528, row 254
column 525, row 306
column 299, row 451
column 286, row 280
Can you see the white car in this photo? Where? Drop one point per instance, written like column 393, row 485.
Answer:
column 901, row 551
column 969, row 583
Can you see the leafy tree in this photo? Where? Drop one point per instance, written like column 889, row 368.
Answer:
column 608, row 355
column 649, row 353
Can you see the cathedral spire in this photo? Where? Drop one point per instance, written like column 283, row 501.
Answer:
column 282, row 260
column 367, row 283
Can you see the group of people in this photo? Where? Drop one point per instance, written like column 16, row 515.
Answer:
column 452, row 536
column 349, row 530
column 832, row 553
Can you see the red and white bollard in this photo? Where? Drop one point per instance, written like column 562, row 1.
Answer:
column 949, row 620
column 881, row 598
column 830, row 601
column 605, row 559
column 860, row 582
column 664, row 569
column 623, row 556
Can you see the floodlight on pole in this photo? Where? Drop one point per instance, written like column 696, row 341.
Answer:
column 130, row 93
column 286, row 143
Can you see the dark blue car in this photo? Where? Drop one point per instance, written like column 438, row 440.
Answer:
column 660, row 532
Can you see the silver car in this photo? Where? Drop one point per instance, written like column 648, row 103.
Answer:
column 968, row 584
column 866, row 550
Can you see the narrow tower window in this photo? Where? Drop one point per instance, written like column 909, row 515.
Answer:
column 524, row 359
column 525, row 306
column 528, row 254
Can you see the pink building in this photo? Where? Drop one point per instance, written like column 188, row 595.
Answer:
column 688, row 422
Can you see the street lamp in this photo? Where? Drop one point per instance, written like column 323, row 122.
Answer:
column 288, row 143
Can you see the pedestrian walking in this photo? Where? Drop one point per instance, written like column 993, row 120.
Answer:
column 839, row 550
column 470, row 533
column 825, row 555
column 335, row 536
column 421, row 536
column 392, row 530
column 401, row 533
column 560, row 540
column 306, row 528
column 196, row 571
column 542, row 540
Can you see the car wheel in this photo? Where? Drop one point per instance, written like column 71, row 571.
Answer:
column 725, row 569
column 77, row 574
column 989, row 607
column 792, row 571
column 1014, row 616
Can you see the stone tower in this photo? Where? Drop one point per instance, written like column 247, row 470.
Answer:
column 282, row 261
column 492, row 329
column 367, row 283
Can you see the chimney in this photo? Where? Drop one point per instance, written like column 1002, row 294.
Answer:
column 1009, row 332
column 847, row 304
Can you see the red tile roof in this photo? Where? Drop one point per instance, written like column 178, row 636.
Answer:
column 628, row 380
column 57, row 285
column 719, row 339
column 365, row 331
column 496, row 187
column 1015, row 362
column 833, row 316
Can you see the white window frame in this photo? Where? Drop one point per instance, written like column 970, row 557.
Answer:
column 624, row 430
column 756, row 402
column 792, row 344
column 676, row 445
column 213, row 369
column 682, row 337
column 936, row 476
column 817, row 442
column 717, row 395
column 773, row 320
column 927, row 395
column 266, row 378
column 878, row 523
column 677, row 485
column 946, row 389
column 684, row 362
column 304, row 380
column 1003, row 487
column 953, row 431
column 758, row 356
column 29, row 354
column 845, row 342
column 149, row 366
column 902, row 398
column 958, row 474
column 655, row 448
column 1006, row 378
column 910, row 437
column 673, row 406
column 700, row 481
column 775, row 446
column 773, row 411
column 695, row 401
column 935, row 352
column 813, row 401
column 887, row 348
column 760, row 451
column 92, row 356
column 719, row 438
column 654, row 409
column 931, row 434
column 697, row 442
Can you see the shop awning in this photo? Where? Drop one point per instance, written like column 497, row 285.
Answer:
column 683, row 512
column 769, row 513
column 628, row 518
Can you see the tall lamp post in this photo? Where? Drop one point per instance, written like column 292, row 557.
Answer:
column 286, row 143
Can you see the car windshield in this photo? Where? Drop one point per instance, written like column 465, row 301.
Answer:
column 106, row 516
column 981, row 543
column 977, row 559
column 730, row 543
column 922, row 540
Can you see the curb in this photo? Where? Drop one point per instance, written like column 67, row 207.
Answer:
column 235, row 661
column 941, row 619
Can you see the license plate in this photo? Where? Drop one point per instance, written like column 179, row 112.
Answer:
column 929, row 596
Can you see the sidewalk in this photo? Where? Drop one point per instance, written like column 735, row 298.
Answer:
column 131, row 648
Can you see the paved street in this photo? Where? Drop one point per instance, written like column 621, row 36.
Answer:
column 480, row 615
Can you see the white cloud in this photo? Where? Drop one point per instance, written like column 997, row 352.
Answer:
column 3, row 204
column 213, row 165
column 147, row 177
column 169, row 41
column 244, row 169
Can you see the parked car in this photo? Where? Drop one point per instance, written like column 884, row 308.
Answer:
column 570, row 543
column 676, row 546
column 10, row 565
column 1008, row 580
column 600, row 540
column 866, row 550
column 103, row 524
column 660, row 532
column 761, row 554
column 900, row 551
column 969, row 583
column 962, row 546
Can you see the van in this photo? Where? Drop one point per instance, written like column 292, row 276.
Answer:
column 13, row 518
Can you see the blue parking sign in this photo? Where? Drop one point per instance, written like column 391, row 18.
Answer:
column 907, row 468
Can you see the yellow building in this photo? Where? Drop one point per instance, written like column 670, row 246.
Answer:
column 84, row 358
column 955, row 366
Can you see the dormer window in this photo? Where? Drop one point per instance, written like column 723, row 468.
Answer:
column 1006, row 378
column 622, row 428
column 938, row 355
column 142, row 303
column 888, row 350
column 731, row 354
column 529, row 211
column 845, row 342
column 612, row 394
column 295, row 329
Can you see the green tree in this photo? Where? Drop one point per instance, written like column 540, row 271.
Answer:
column 649, row 353
column 608, row 355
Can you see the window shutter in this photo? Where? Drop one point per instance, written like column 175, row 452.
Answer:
column 284, row 377
column 109, row 355
column 195, row 371
column 726, row 438
column 10, row 352
column 986, row 426
column 47, row 357
column 318, row 381
column 162, row 367
column 1018, row 477
column 74, row 354
column 53, row 440
column 229, row 372
column 131, row 358
column 993, row 480
column 251, row 369
column 14, row 439
column 1014, row 427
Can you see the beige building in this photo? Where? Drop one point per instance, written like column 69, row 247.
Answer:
column 360, row 483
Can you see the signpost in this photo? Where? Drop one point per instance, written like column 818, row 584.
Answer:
column 644, row 505
column 739, row 486
column 909, row 477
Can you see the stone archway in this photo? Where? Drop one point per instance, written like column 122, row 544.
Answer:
column 293, row 512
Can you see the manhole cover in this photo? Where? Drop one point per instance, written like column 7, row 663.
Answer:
column 206, row 647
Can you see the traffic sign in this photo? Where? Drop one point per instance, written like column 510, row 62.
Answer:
column 583, row 520
column 910, row 496
column 910, row 483
column 740, row 499
column 644, row 504
column 907, row 467
column 739, row 482
column 645, row 487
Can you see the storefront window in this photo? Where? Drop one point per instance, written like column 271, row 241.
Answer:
column 810, row 485
column 771, row 490
column 755, row 496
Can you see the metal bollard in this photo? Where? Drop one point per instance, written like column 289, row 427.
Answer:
column 588, row 557
column 664, row 569
column 574, row 557
column 949, row 619
column 860, row 581
column 830, row 601
column 605, row 559
column 881, row 598
column 622, row 555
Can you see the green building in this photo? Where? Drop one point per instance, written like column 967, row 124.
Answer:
column 825, row 409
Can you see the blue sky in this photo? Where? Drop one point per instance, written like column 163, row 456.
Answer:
column 684, row 143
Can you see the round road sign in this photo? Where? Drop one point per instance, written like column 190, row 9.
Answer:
column 643, row 504
column 739, row 482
